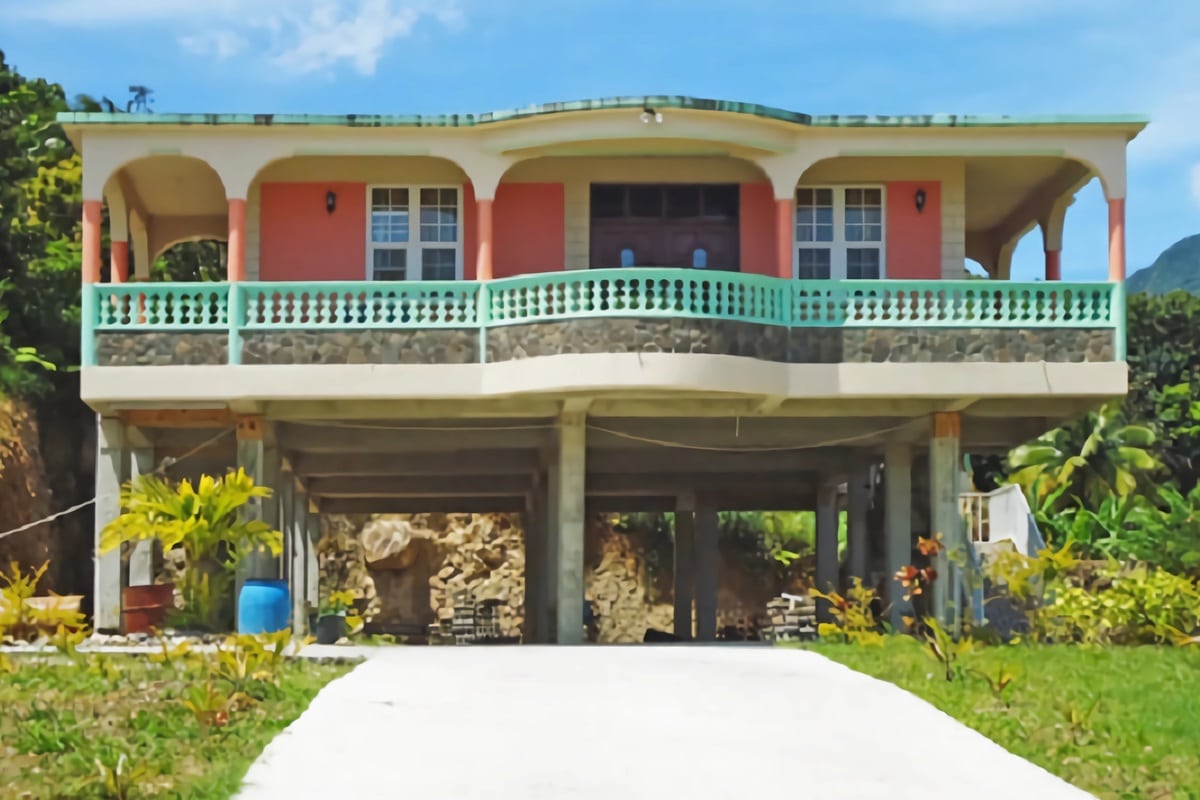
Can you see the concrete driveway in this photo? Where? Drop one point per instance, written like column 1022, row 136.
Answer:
column 659, row 722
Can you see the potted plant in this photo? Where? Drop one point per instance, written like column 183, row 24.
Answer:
column 207, row 523
column 333, row 617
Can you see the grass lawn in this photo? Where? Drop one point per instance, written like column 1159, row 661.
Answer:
column 1117, row 722
column 58, row 719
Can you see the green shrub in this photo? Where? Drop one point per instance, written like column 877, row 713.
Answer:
column 1139, row 605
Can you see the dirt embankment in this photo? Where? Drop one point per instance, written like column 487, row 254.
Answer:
column 24, row 492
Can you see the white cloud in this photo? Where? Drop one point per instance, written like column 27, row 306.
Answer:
column 299, row 37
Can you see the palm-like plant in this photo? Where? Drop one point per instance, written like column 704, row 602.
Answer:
column 204, row 520
column 1097, row 456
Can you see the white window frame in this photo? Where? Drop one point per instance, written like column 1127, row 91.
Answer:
column 838, row 247
column 414, row 244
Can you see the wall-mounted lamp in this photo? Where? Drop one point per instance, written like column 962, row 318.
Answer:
column 650, row 115
column 330, row 201
column 919, row 200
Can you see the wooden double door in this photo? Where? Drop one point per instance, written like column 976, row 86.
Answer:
column 665, row 225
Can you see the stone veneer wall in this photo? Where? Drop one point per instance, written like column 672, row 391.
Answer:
column 161, row 348
column 439, row 346
column 720, row 337
column 800, row 345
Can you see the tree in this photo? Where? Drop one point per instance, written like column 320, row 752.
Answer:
column 1094, row 457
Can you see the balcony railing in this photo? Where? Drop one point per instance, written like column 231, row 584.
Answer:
column 251, row 307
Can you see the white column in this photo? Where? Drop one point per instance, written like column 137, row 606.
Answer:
column 858, row 501
column 945, row 517
column 111, row 463
column 827, row 546
column 141, row 560
column 297, row 534
column 897, row 476
column 685, row 568
column 312, row 568
column 707, row 560
column 572, row 444
column 260, row 463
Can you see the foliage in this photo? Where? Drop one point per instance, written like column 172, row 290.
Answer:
column 945, row 648
column 1096, row 456
column 337, row 603
column 1138, row 605
column 20, row 618
column 204, row 521
column 854, row 621
column 1137, row 741
column 122, row 724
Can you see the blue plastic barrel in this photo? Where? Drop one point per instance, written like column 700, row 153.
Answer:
column 263, row 606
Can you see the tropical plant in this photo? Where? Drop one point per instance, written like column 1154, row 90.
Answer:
column 204, row 521
column 1096, row 456
column 16, row 617
column 854, row 621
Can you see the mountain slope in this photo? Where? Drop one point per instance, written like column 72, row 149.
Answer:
column 1177, row 267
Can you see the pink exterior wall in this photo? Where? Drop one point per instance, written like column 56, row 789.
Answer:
column 756, row 228
column 914, row 239
column 529, row 228
column 301, row 241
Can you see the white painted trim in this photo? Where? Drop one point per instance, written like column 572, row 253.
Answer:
column 414, row 243
column 839, row 245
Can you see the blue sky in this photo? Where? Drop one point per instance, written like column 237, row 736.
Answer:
column 816, row 56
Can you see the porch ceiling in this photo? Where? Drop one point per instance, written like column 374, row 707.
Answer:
column 1011, row 192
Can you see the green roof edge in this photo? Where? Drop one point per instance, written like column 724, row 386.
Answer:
column 599, row 104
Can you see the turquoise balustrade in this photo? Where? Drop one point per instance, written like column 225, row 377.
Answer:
column 605, row 293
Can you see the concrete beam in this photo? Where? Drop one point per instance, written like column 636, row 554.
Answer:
column 392, row 439
column 422, row 486
column 422, row 505
column 723, row 483
column 477, row 462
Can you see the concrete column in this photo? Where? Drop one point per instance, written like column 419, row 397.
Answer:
column 858, row 501
column 297, row 536
column 312, row 568
column 827, row 547
column 535, row 565
column 897, row 475
column 572, row 443
column 111, row 464
column 118, row 257
column 259, row 463
column 141, row 560
column 685, row 567
column 945, row 466
column 1054, row 265
column 785, row 234
column 236, row 264
column 483, row 259
column 92, row 215
column 707, row 559
column 1116, row 239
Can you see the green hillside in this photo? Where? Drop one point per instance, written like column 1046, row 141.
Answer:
column 1178, row 267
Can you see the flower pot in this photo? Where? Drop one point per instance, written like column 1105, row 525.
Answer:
column 330, row 629
column 145, row 607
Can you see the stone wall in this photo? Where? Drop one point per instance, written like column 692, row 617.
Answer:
column 160, row 348
column 438, row 346
column 799, row 345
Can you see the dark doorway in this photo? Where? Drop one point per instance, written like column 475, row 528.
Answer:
column 665, row 225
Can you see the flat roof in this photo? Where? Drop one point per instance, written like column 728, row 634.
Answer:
column 657, row 102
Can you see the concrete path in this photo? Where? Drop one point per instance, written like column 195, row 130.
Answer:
column 665, row 722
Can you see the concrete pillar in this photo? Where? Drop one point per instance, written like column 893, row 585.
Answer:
column 945, row 467
column 297, row 538
column 259, row 463
column 685, row 567
column 236, row 263
column 858, row 502
column 118, row 257
column 141, row 560
column 572, row 443
column 483, row 259
column 111, row 464
column 1054, row 265
column 312, row 567
column 897, row 475
column 1116, row 239
column 785, row 233
column 90, row 245
column 534, row 631
column 549, row 608
column 707, row 560
column 827, row 547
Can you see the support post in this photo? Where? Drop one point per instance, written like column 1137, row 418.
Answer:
column 549, row 609
column 707, row 573
column 572, row 444
column 535, row 564
column 827, row 547
column 141, row 560
column 118, row 257
column 1116, row 239
column 785, row 232
column 236, row 262
column 90, row 244
column 945, row 517
column 1054, row 265
column 297, row 535
column 685, row 566
column 312, row 566
column 897, row 475
column 858, row 502
column 483, row 259
column 111, row 461
column 254, row 457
